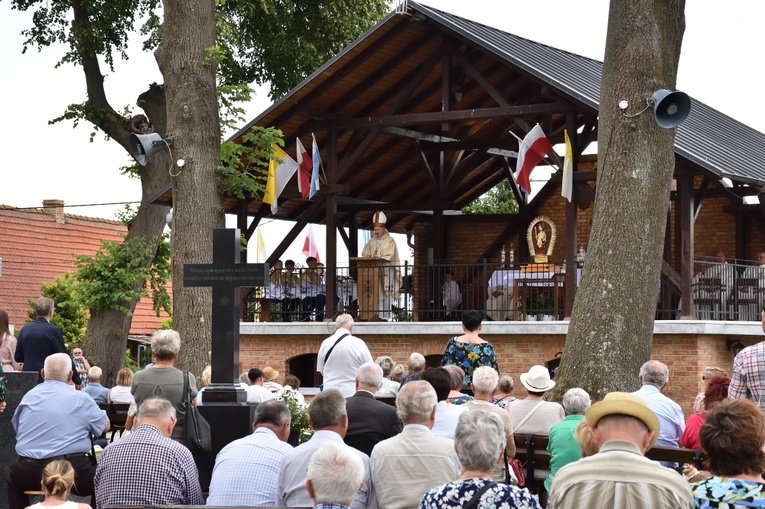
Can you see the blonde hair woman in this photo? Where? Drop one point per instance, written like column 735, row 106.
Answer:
column 57, row 482
column 120, row 393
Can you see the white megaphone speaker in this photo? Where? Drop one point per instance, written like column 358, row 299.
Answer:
column 144, row 146
column 670, row 108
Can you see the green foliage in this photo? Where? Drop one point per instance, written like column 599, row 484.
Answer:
column 499, row 200
column 130, row 362
column 282, row 42
column 244, row 167
column 167, row 323
column 230, row 98
column 127, row 214
column 298, row 416
column 108, row 278
column 69, row 315
column 107, row 33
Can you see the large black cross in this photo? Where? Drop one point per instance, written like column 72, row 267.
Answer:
column 225, row 275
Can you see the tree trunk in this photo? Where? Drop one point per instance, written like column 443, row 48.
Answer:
column 611, row 329
column 194, row 127
column 106, row 336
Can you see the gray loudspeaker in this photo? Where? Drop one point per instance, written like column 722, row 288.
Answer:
column 670, row 108
column 144, row 146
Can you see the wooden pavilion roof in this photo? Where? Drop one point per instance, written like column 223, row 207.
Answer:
column 421, row 113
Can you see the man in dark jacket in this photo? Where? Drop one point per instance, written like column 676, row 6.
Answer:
column 369, row 420
column 39, row 339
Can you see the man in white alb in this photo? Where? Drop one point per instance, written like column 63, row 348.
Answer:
column 382, row 245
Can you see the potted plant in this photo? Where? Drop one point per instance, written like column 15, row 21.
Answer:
column 300, row 431
column 540, row 303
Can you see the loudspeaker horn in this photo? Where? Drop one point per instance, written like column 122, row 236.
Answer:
column 144, row 146
column 670, row 108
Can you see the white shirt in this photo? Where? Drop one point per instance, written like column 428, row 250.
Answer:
column 346, row 359
column 447, row 416
column 291, row 490
column 258, row 394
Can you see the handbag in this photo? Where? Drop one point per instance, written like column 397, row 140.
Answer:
column 196, row 430
column 515, row 467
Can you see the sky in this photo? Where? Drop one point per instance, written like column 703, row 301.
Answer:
column 719, row 65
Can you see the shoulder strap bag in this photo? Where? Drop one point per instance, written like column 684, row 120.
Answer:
column 326, row 357
column 473, row 502
column 196, row 430
column 514, row 473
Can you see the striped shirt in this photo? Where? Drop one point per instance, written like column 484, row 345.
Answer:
column 619, row 476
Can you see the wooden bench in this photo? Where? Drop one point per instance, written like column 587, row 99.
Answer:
column 117, row 414
column 117, row 506
column 679, row 455
column 533, row 453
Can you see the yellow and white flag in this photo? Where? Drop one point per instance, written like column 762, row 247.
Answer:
column 260, row 249
column 278, row 176
column 567, row 182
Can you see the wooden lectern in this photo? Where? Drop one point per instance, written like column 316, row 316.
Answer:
column 370, row 281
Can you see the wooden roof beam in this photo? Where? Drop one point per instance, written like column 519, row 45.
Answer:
column 439, row 117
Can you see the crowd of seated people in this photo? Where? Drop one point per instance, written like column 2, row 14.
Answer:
column 430, row 450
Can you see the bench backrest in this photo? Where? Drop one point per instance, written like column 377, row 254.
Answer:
column 676, row 455
column 532, row 451
column 117, row 414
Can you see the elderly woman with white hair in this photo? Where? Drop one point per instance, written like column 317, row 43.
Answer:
column 164, row 380
column 389, row 388
column 484, row 383
column 563, row 445
column 479, row 441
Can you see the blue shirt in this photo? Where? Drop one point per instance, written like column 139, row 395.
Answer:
column 671, row 418
column 96, row 391
column 53, row 419
column 247, row 470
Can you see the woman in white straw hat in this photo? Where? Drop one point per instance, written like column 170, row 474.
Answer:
column 533, row 414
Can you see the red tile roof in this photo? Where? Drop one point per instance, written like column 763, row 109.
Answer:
column 35, row 249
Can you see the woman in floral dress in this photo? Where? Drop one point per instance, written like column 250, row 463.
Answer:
column 733, row 437
column 469, row 351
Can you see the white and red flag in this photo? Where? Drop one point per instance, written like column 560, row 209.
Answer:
column 532, row 150
column 309, row 246
column 305, row 167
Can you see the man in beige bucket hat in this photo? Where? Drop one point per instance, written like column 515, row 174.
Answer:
column 619, row 475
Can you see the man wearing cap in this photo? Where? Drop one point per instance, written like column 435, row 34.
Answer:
column 533, row 415
column 382, row 245
column 623, row 428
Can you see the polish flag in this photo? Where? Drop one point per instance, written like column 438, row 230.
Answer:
column 309, row 246
column 532, row 150
column 305, row 166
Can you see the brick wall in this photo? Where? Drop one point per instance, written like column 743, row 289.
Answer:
column 715, row 229
column 685, row 355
